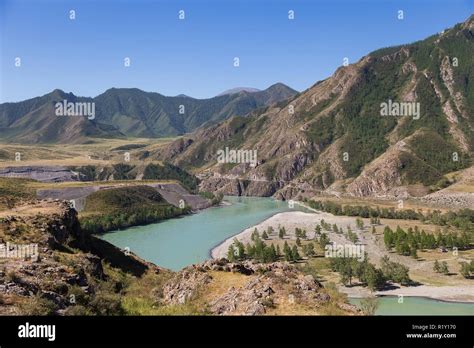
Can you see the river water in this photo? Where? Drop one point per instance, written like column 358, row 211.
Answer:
column 389, row 305
column 177, row 243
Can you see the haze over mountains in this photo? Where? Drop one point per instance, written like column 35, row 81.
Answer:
column 127, row 112
column 334, row 138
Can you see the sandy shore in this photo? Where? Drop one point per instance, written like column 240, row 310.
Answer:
column 291, row 220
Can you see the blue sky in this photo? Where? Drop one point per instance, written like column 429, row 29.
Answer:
column 195, row 56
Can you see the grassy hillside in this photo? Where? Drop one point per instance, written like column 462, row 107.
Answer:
column 14, row 190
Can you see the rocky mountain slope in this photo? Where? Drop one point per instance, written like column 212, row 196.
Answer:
column 335, row 137
column 121, row 112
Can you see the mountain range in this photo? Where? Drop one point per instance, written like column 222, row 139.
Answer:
column 127, row 112
column 395, row 123
column 334, row 137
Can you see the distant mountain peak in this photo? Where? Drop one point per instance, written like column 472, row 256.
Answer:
column 238, row 90
column 280, row 86
column 58, row 93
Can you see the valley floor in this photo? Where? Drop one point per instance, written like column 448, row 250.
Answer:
column 433, row 285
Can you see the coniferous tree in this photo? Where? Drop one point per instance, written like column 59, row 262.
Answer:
column 270, row 230
column 287, row 251
column 436, row 267
column 255, row 235
column 317, row 229
column 295, row 256
column 282, row 232
column 466, row 270
column 303, row 234
column 324, row 240
column 444, row 268
column 231, row 253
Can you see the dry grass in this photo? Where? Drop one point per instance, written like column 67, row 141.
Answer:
column 101, row 152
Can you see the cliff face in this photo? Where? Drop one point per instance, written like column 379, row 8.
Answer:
column 335, row 137
column 239, row 187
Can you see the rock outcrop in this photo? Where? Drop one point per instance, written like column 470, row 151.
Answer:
column 263, row 288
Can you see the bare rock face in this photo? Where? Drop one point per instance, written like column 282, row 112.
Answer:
column 249, row 300
column 185, row 286
column 45, row 174
column 380, row 177
column 240, row 187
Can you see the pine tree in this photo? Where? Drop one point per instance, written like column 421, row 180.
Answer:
column 466, row 270
column 282, row 232
column 444, row 268
column 413, row 252
column 287, row 251
column 308, row 250
column 273, row 253
column 255, row 235
column 303, row 234
column 317, row 229
column 436, row 267
column 298, row 241
column 231, row 253
column 264, row 235
column 323, row 240
column 250, row 250
column 295, row 256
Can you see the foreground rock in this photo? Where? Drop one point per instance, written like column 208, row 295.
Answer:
column 53, row 268
column 257, row 289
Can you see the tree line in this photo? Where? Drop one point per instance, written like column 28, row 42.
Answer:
column 260, row 251
column 369, row 275
column 101, row 223
column 462, row 219
column 407, row 243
